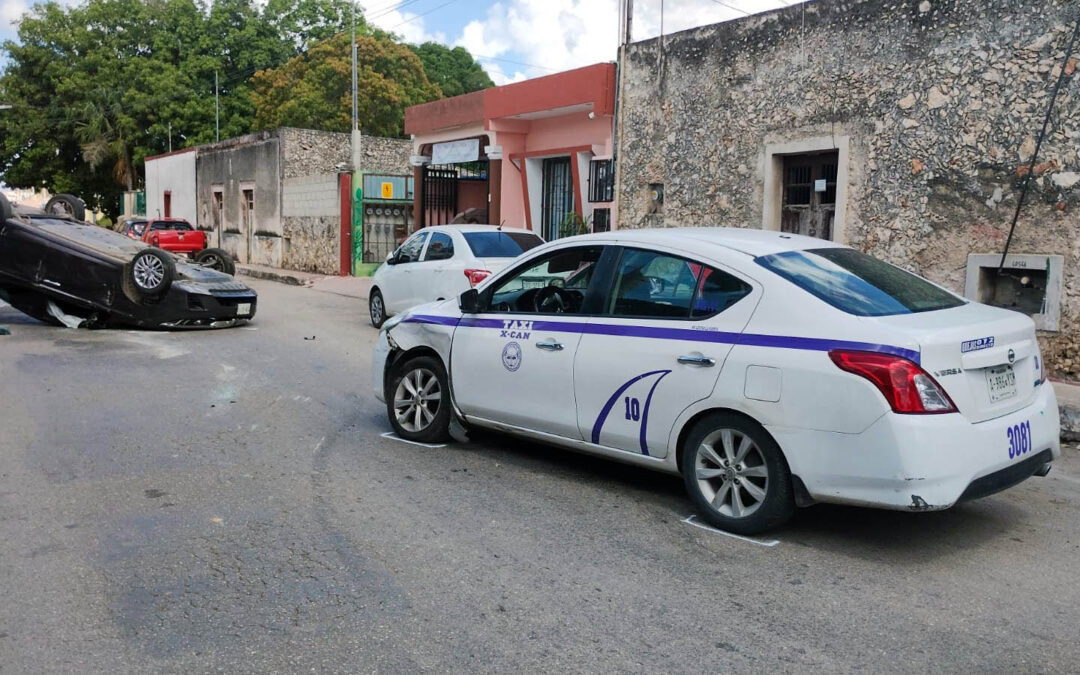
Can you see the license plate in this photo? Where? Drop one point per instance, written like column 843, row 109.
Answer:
column 244, row 309
column 1001, row 381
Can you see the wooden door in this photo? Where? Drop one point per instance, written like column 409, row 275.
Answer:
column 809, row 199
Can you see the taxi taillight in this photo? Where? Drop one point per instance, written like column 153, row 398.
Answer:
column 908, row 388
column 476, row 276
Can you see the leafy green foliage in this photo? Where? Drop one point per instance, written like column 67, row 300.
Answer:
column 454, row 70
column 97, row 87
column 314, row 90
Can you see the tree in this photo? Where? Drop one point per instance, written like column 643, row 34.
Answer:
column 96, row 87
column 314, row 90
column 454, row 70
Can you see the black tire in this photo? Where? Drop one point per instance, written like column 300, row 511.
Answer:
column 216, row 259
column 6, row 210
column 731, row 484
column 376, row 308
column 437, row 428
column 66, row 205
column 149, row 274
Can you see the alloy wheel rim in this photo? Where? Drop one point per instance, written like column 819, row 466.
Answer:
column 731, row 473
column 149, row 272
column 61, row 209
column 212, row 261
column 417, row 400
column 376, row 309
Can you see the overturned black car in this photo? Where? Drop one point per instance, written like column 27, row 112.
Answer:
column 62, row 272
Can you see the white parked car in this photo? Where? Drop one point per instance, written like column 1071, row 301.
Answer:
column 769, row 370
column 440, row 262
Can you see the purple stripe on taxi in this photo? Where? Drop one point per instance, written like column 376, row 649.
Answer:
column 664, row 333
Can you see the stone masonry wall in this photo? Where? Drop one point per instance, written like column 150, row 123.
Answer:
column 310, row 204
column 311, row 220
column 306, row 152
column 940, row 102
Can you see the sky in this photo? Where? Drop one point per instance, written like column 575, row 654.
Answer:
column 519, row 39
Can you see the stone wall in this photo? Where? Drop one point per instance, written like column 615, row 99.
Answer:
column 306, row 152
column 311, row 222
column 937, row 102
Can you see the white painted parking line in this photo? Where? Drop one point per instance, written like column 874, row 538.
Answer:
column 394, row 437
column 691, row 520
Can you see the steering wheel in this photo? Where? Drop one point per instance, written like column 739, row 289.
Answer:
column 552, row 300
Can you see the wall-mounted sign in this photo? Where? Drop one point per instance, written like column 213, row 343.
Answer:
column 387, row 190
column 819, row 185
column 453, row 152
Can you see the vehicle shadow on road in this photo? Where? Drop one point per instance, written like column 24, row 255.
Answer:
column 917, row 537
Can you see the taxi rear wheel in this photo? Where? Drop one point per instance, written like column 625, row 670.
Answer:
column 736, row 475
column 419, row 400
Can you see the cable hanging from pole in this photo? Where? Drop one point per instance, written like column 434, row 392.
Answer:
column 1038, row 144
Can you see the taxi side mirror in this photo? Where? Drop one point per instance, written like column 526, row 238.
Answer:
column 469, row 301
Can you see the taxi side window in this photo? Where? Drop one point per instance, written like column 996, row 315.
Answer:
column 410, row 250
column 555, row 283
column 651, row 284
column 440, row 248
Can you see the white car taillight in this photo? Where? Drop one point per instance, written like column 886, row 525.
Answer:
column 476, row 276
column 908, row 388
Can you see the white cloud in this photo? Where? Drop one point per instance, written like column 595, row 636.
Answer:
column 10, row 13
column 408, row 25
column 555, row 35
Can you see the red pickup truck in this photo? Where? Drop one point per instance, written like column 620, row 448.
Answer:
column 178, row 236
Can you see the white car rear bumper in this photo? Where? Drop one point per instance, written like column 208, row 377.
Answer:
column 921, row 462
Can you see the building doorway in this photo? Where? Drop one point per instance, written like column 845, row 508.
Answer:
column 557, row 196
column 809, row 194
column 450, row 189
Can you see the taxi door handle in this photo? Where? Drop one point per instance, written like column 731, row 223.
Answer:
column 550, row 345
column 692, row 360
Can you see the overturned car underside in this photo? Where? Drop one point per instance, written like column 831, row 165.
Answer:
column 66, row 273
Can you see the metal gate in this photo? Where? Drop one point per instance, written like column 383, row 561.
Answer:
column 558, row 195
column 440, row 196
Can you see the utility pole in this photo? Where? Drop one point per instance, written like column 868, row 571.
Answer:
column 217, row 111
column 626, row 21
column 170, row 136
column 356, row 160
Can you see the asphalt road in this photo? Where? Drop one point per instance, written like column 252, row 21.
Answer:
column 205, row 501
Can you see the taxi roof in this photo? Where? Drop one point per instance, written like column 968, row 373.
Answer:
column 745, row 240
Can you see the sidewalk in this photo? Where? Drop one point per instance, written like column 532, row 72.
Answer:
column 1068, row 396
column 353, row 287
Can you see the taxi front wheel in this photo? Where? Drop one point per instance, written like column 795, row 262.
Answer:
column 419, row 400
column 736, row 475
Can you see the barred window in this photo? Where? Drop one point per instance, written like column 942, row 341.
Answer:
column 601, row 180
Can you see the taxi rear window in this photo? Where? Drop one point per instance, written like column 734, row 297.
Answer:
column 857, row 283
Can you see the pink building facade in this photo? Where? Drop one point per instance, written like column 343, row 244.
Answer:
column 534, row 154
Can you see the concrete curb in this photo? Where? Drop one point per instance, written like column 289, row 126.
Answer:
column 1068, row 396
column 280, row 276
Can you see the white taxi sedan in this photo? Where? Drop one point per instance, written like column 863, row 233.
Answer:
column 440, row 262
column 769, row 370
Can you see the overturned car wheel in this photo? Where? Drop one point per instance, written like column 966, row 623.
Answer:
column 149, row 274
column 66, row 205
column 216, row 259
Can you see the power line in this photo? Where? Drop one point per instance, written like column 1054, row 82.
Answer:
column 724, row 4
